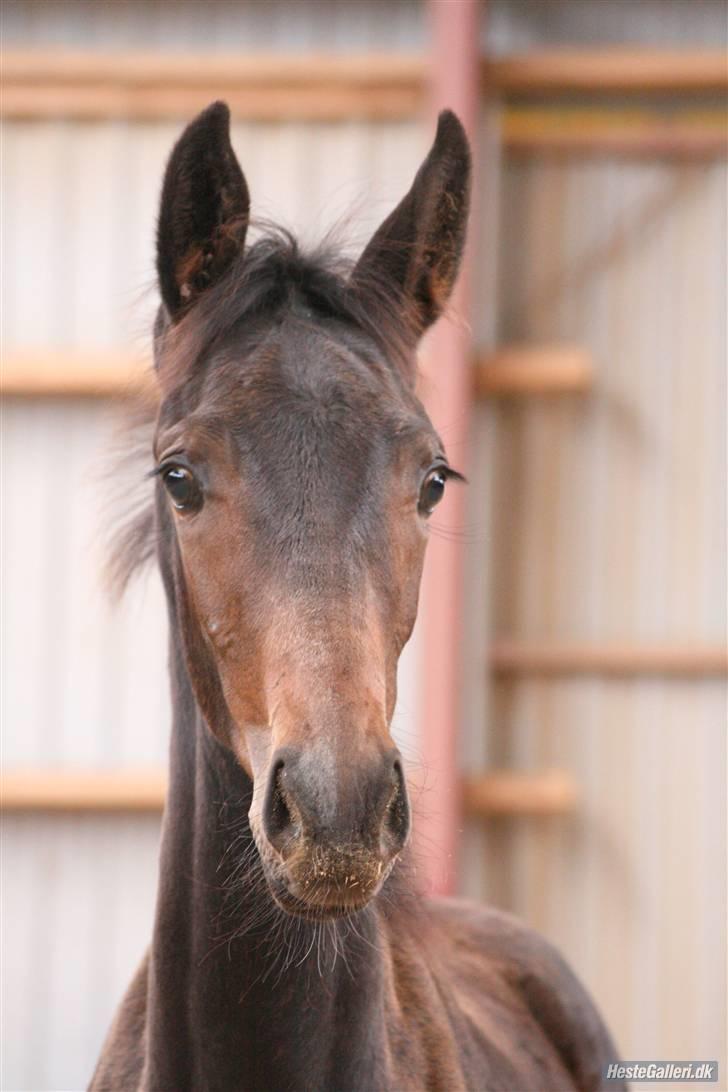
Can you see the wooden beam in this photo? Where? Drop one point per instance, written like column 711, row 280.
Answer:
column 190, row 69
column 83, row 790
column 324, row 87
column 78, row 373
column 506, row 792
column 677, row 134
column 511, row 658
column 617, row 70
column 533, row 369
column 46, row 101
column 36, row 373
column 30, row 790
column 94, row 85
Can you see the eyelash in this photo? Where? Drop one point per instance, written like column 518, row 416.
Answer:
column 450, row 472
column 171, row 460
column 167, row 464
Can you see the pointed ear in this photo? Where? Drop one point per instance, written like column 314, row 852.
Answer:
column 417, row 250
column 204, row 211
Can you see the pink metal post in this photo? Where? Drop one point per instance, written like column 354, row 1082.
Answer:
column 446, row 388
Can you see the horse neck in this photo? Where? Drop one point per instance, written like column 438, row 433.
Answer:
column 235, row 1012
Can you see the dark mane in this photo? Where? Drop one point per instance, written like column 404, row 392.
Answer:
column 131, row 534
column 275, row 274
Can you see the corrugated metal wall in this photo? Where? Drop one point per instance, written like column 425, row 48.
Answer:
column 606, row 521
column 218, row 25
column 595, row 518
column 325, row 25
column 515, row 25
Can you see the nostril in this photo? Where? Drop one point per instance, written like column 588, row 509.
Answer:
column 277, row 819
column 397, row 818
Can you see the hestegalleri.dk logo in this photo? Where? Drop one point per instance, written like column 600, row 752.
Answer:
column 661, row 1071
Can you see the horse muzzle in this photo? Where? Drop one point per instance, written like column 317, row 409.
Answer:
column 333, row 830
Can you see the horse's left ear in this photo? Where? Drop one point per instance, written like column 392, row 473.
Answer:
column 204, row 211
column 417, row 250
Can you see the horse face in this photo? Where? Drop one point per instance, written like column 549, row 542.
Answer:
column 296, row 474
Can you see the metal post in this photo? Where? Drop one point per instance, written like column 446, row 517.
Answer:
column 446, row 388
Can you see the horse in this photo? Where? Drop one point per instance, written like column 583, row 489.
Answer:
column 294, row 473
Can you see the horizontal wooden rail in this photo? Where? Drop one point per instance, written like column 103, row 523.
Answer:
column 94, row 85
column 689, row 661
column 533, row 369
column 83, row 790
column 512, row 370
column 506, row 792
column 31, row 790
column 674, row 134
column 91, row 68
column 612, row 71
column 266, row 88
column 74, row 372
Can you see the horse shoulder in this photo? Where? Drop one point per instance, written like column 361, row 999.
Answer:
column 120, row 1067
column 497, row 946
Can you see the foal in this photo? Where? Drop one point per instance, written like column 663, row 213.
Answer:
column 295, row 471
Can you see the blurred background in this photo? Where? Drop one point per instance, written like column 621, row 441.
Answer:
column 563, row 701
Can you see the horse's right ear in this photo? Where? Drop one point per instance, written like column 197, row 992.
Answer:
column 204, row 211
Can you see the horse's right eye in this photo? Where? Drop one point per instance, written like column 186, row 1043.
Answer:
column 183, row 488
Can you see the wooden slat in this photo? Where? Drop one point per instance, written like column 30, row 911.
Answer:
column 505, row 792
column 83, row 790
column 72, row 373
column 512, row 370
column 680, row 133
column 496, row 793
column 91, row 68
column 529, row 369
column 314, row 103
column 60, row 84
column 140, row 85
column 609, row 70
column 691, row 661
column 536, row 71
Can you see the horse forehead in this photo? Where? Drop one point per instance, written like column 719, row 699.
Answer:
column 302, row 444
column 305, row 363
column 315, row 461
column 321, row 407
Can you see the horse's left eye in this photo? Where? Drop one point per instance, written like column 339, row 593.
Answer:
column 183, row 488
column 432, row 492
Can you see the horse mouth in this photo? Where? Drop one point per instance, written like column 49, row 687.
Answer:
column 324, row 882
column 300, row 908
column 326, row 903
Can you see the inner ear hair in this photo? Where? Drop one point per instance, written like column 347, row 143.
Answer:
column 204, row 211
column 418, row 249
